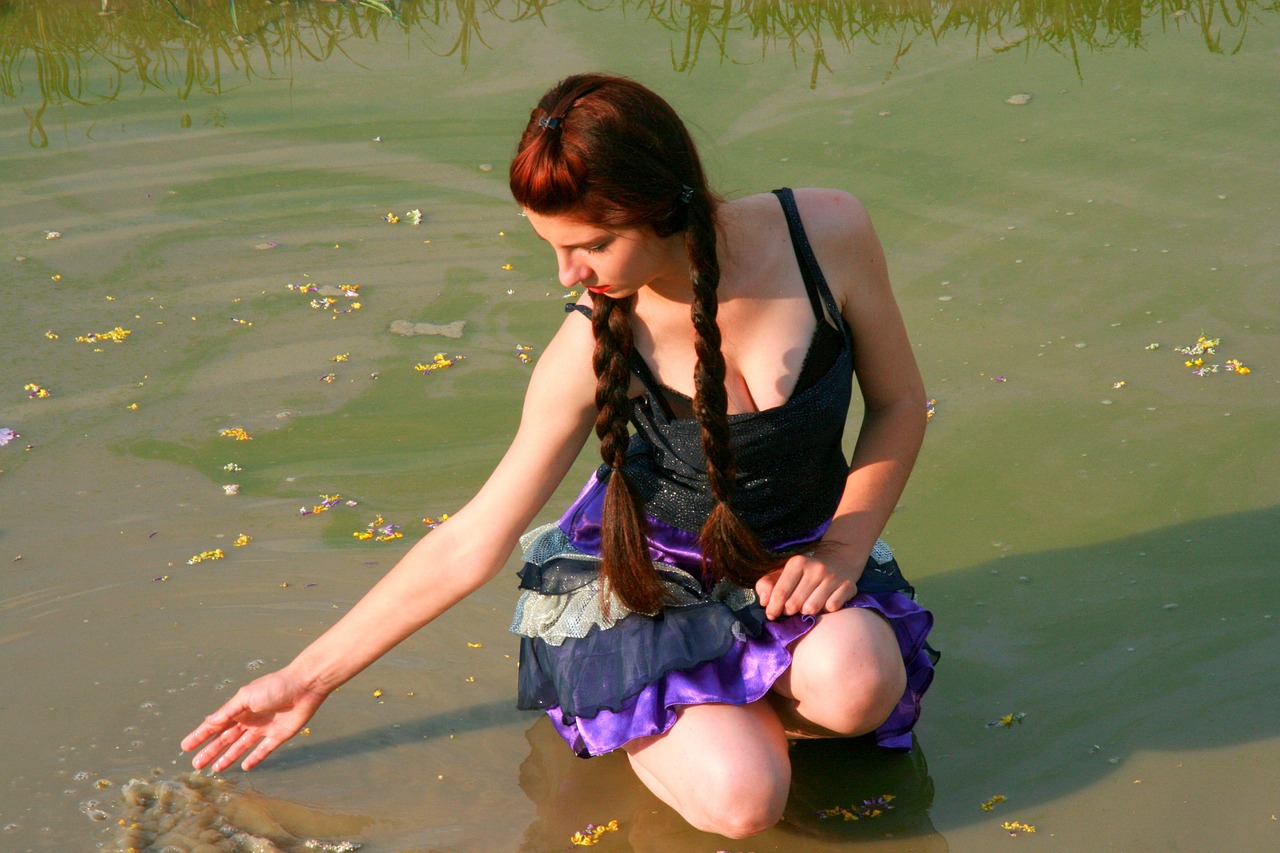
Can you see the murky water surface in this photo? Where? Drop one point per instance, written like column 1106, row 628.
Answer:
column 1095, row 525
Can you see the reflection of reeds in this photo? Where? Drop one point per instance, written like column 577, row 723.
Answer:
column 805, row 27
column 188, row 45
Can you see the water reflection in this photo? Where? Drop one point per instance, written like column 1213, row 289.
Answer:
column 886, row 795
column 84, row 55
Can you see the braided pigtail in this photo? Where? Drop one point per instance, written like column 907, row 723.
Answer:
column 627, row 569
column 607, row 151
column 730, row 548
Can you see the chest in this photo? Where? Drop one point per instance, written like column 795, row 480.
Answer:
column 764, row 341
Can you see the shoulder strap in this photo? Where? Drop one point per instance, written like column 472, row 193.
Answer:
column 584, row 310
column 815, row 283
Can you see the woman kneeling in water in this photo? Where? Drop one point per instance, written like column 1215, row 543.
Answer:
column 718, row 586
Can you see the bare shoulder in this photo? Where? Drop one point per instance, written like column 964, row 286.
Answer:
column 845, row 243
column 566, row 359
column 833, row 218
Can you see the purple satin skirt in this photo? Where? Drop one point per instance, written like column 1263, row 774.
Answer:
column 606, row 683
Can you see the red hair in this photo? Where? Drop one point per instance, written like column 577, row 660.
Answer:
column 608, row 151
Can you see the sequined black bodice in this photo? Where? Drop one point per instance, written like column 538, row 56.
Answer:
column 791, row 465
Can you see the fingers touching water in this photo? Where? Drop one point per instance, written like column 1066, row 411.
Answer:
column 260, row 717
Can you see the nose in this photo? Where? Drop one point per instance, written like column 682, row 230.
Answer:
column 572, row 271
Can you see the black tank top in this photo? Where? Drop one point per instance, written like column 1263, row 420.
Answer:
column 790, row 460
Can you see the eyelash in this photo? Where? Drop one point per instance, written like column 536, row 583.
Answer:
column 595, row 250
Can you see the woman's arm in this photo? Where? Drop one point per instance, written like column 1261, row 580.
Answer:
column 853, row 262
column 438, row 572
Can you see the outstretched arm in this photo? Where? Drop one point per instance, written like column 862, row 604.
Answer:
column 893, row 422
column 438, row 572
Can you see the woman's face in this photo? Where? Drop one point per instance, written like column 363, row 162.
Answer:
column 617, row 262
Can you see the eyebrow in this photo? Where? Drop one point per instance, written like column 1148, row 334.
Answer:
column 586, row 244
column 590, row 243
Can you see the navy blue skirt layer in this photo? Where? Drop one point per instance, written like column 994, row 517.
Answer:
column 606, row 675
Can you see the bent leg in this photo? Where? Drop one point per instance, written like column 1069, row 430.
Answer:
column 724, row 768
column 846, row 676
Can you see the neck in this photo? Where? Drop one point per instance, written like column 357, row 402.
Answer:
column 674, row 283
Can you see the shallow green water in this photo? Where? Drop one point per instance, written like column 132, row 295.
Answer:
column 1101, row 559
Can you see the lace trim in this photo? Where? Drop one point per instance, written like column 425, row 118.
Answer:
column 556, row 618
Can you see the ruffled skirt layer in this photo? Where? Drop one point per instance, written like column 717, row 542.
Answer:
column 606, row 675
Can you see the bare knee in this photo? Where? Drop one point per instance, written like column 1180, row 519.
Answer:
column 738, row 811
column 859, row 705
column 724, row 768
column 846, row 693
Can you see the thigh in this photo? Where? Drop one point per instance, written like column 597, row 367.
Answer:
column 725, row 768
column 846, row 675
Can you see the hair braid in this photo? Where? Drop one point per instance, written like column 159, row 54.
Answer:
column 608, row 151
column 627, row 569
column 730, row 548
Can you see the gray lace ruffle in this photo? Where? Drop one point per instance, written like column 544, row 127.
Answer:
column 555, row 618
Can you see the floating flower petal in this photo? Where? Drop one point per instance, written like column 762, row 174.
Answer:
column 116, row 335
column 438, row 362
column 1234, row 366
column 591, row 835
column 874, row 807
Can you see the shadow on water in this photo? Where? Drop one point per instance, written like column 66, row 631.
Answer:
column 1159, row 641
column 82, row 55
column 1161, row 631
column 472, row 718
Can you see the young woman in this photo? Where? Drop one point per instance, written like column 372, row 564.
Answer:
column 718, row 586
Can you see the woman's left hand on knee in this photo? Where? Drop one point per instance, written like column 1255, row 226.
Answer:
column 814, row 582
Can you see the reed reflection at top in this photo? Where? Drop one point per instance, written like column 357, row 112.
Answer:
column 54, row 52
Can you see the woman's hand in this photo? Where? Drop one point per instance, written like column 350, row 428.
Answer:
column 817, row 581
column 265, row 712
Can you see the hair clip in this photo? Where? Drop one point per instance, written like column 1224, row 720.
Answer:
column 549, row 122
column 686, row 193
